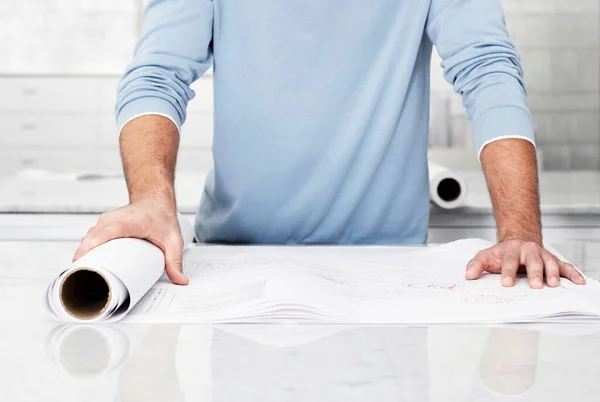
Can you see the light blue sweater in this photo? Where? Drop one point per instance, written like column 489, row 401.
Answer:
column 322, row 106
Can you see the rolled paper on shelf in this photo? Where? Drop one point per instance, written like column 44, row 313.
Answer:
column 105, row 284
column 447, row 189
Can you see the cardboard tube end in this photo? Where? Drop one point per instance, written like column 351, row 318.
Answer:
column 449, row 189
column 85, row 294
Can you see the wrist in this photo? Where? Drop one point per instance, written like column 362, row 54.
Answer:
column 526, row 236
column 158, row 193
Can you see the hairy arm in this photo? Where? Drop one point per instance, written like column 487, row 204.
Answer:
column 149, row 152
column 173, row 51
column 482, row 64
column 511, row 174
column 510, row 170
column 149, row 147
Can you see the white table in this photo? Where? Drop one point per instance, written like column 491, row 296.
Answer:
column 45, row 361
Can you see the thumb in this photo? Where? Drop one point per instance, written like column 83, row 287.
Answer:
column 475, row 268
column 174, row 260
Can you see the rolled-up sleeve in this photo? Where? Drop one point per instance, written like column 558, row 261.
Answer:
column 482, row 64
column 174, row 50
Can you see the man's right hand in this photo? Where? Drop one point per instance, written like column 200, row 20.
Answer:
column 153, row 218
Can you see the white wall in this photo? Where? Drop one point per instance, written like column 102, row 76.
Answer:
column 67, row 36
column 558, row 41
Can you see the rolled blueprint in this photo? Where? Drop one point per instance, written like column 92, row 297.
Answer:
column 105, row 284
column 447, row 189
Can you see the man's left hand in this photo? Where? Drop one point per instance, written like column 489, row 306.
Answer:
column 512, row 256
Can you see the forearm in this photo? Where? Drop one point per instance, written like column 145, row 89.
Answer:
column 173, row 51
column 510, row 169
column 149, row 147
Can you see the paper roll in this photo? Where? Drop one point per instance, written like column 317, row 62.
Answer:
column 447, row 189
column 105, row 284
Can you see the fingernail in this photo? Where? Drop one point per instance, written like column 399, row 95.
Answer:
column 537, row 283
column 581, row 279
column 554, row 281
column 507, row 281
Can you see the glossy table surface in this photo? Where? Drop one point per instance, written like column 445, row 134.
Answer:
column 41, row 360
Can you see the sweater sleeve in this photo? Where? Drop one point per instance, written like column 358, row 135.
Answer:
column 482, row 64
column 173, row 51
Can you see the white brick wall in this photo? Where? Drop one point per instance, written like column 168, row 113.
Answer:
column 559, row 45
column 60, row 113
column 67, row 36
column 555, row 31
column 549, row 7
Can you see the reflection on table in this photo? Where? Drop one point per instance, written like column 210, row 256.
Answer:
column 309, row 362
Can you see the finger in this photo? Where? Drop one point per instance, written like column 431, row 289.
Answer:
column 92, row 230
column 104, row 219
column 568, row 271
column 510, row 266
column 80, row 251
column 475, row 268
column 101, row 236
column 552, row 270
column 174, row 260
column 535, row 269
